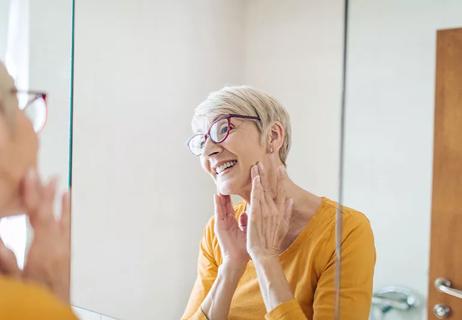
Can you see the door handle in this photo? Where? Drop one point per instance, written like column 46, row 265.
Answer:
column 444, row 285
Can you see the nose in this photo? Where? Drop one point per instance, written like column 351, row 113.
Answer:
column 211, row 148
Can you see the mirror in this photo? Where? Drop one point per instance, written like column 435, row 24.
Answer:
column 35, row 44
column 140, row 199
column 389, row 140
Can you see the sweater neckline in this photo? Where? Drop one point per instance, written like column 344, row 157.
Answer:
column 306, row 231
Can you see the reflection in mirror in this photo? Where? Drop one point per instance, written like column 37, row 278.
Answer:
column 35, row 41
column 141, row 200
column 391, row 92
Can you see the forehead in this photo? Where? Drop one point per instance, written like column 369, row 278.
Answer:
column 202, row 123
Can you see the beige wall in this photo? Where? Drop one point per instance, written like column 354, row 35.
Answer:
column 140, row 199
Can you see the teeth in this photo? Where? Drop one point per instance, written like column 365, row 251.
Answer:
column 225, row 166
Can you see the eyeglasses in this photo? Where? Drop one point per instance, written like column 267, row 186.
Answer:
column 34, row 106
column 218, row 132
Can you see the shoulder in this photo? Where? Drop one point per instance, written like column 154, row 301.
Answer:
column 352, row 219
column 20, row 300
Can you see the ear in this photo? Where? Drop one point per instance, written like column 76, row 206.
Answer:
column 276, row 136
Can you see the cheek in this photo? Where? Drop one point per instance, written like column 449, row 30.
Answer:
column 28, row 141
column 205, row 165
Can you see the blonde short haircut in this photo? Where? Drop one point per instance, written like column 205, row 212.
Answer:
column 248, row 101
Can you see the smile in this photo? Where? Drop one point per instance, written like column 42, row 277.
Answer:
column 225, row 166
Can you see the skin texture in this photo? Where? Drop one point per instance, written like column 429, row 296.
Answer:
column 277, row 211
column 21, row 190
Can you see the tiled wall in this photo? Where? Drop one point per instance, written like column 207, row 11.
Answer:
column 84, row 314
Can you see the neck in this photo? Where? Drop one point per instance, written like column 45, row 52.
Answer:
column 305, row 203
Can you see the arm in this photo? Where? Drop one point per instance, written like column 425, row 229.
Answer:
column 216, row 304
column 277, row 295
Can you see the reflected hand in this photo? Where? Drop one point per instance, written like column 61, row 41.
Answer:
column 269, row 215
column 231, row 234
column 48, row 259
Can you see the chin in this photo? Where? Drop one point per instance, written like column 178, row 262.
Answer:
column 227, row 187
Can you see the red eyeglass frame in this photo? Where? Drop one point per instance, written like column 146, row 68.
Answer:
column 219, row 118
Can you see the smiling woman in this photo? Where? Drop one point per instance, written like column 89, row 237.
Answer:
column 272, row 255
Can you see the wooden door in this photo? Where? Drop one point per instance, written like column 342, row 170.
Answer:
column 446, row 224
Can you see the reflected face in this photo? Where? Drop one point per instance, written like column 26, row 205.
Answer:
column 229, row 162
column 18, row 147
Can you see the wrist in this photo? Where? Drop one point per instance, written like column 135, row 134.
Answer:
column 232, row 266
column 265, row 260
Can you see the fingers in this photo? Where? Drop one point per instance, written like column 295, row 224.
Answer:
column 243, row 222
column 219, row 212
column 255, row 196
column 66, row 212
column 8, row 262
column 44, row 213
column 227, row 205
column 32, row 192
column 280, row 189
column 289, row 205
column 264, row 179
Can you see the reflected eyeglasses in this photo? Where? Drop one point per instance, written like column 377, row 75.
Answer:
column 218, row 132
column 34, row 106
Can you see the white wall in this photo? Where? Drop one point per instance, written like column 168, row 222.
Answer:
column 140, row 199
column 389, row 132
column 294, row 51
column 50, row 71
column 4, row 10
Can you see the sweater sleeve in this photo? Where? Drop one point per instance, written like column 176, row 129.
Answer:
column 357, row 270
column 287, row 310
column 24, row 301
column 207, row 270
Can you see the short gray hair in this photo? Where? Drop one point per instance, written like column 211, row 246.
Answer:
column 246, row 101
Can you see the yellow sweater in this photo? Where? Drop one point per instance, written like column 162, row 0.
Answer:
column 309, row 266
column 21, row 301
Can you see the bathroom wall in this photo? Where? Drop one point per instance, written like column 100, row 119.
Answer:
column 140, row 199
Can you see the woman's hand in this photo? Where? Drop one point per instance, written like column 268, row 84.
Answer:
column 269, row 215
column 231, row 234
column 48, row 259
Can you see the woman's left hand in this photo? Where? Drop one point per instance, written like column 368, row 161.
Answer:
column 269, row 214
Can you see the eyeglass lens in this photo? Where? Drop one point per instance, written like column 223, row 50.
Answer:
column 36, row 111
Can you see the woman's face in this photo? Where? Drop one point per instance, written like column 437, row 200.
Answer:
column 18, row 150
column 241, row 150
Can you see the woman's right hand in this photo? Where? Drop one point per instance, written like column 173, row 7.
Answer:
column 231, row 234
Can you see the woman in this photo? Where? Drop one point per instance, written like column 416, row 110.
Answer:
column 273, row 255
column 41, row 290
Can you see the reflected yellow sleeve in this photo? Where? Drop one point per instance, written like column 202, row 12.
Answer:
column 24, row 301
